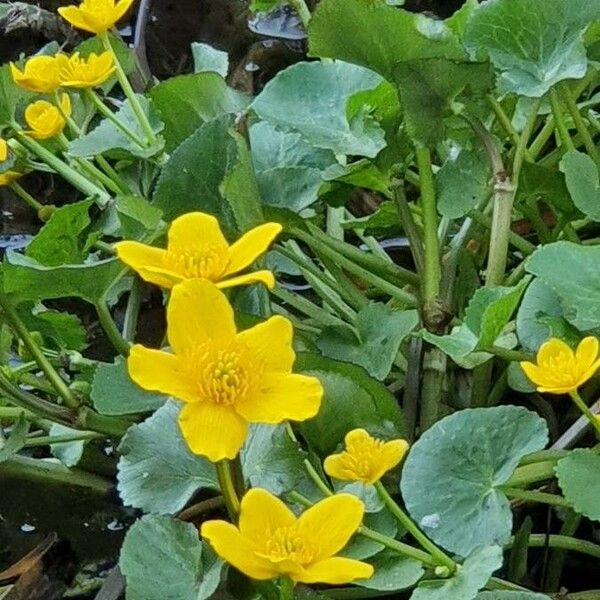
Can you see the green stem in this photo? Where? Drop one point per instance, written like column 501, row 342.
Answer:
column 533, row 496
column 556, row 561
column 106, row 166
column 106, row 112
column 559, row 121
column 63, row 439
column 110, row 328
column 45, row 365
column 542, row 138
column 584, row 132
column 306, row 307
column 302, row 10
column 506, row 124
column 432, row 269
column 531, row 473
column 509, row 355
column 438, row 555
column 8, row 412
column 514, row 239
column 227, row 487
column 583, row 407
column 286, row 588
column 132, row 311
column 564, row 542
column 26, row 196
column 408, row 224
column 71, row 175
column 131, row 95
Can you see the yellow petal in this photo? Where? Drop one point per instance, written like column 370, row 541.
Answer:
column 586, row 375
column 271, row 343
column 198, row 312
column 65, row 104
column 121, row 7
column 237, row 550
column 392, row 453
column 265, row 277
column 534, row 373
column 197, row 231
column 262, row 513
column 282, row 397
column 335, row 466
column 557, row 389
column 212, row 430
column 586, row 353
column 336, row 570
column 160, row 372
column 75, row 17
column 331, row 523
column 3, row 150
column 251, row 245
column 356, row 437
column 552, row 348
column 147, row 261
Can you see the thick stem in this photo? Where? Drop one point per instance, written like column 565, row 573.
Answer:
column 439, row 556
column 286, row 589
column 559, row 121
column 583, row 407
column 82, row 436
column 40, row 358
column 111, row 329
column 132, row 311
column 534, row 496
column 227, row 486
column 26, row 196
column 408, row 224
column 434, row 373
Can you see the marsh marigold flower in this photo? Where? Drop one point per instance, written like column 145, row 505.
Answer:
column 196, row 249
column 45, row 120
column 95, row 16
column 87, row 73
column 226, row 379
column 7, row 176
column 40, row 73
column 365, row 459
column 559, row 370
column 272, row 542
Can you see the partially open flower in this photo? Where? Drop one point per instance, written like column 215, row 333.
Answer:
column 40, row 73
column 226, row 379
column 271, row 541
column 87, row 73
column 559, row 370
column 197, row 249
column 45, row 120
column 95, row 16
column 365, row 459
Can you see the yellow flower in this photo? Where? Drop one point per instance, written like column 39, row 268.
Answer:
column 365, row 459
column 559, row 370
column 46, row 120
column 7, row 176
column 271, row 541
column 198, row 250
column 40, row 73
column 226, row 379
column 87, row 72
column 95, row 16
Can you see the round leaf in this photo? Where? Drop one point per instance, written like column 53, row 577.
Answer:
column 579, row 478
column 392, row 572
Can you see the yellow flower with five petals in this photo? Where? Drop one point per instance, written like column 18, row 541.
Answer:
column 225, row 379
column 95, row 16
column 45, row 120
column 197, row 249
column 40, row 73
column 366, row 459
column 87, row 73
column 560, row 370
column 271, row 541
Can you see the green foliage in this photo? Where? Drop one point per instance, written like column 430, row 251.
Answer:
column 157, row 472
column 583, row 182
column 392, row 572
column 511, row 596
column 452, row 477
column 16, row 439
column 579, row 478
column 163, row 558
column 206, row 58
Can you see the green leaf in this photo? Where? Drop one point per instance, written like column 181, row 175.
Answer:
column 573, row 273
column 384, row 221
column 313, row 99
column 162, row 557
column 511, row 596
column 264, row 5
column 361, row 547
column 114, row 393
column 579, row 479
column 107, row 137
column 210, row 166
column 533, row 44
column 361, row 173
column 392, row 572
column 272, row 460
column 463, row 182
column 352, row 399
column 187, row 101
column 27, row 279
column 458, row 21
column 380, row 332
column 209, row 59
column 430, row 90
column 451, row 478
column 583, row 182
column 289, row 171
column 539, row 301
column 61, row 240
column 16, row 439
column 157, row 472
column 130, row 217
column 60, row 330
column 69, row 453
column 486, row 316
column 378, row 36
column 464, row 585
column 11, row 95
column 548, row 185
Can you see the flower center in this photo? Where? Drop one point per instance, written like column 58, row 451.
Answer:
column 287, row 543
column 224, row 375
column 561, row 368
column 208, row 263
column 361, row 455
